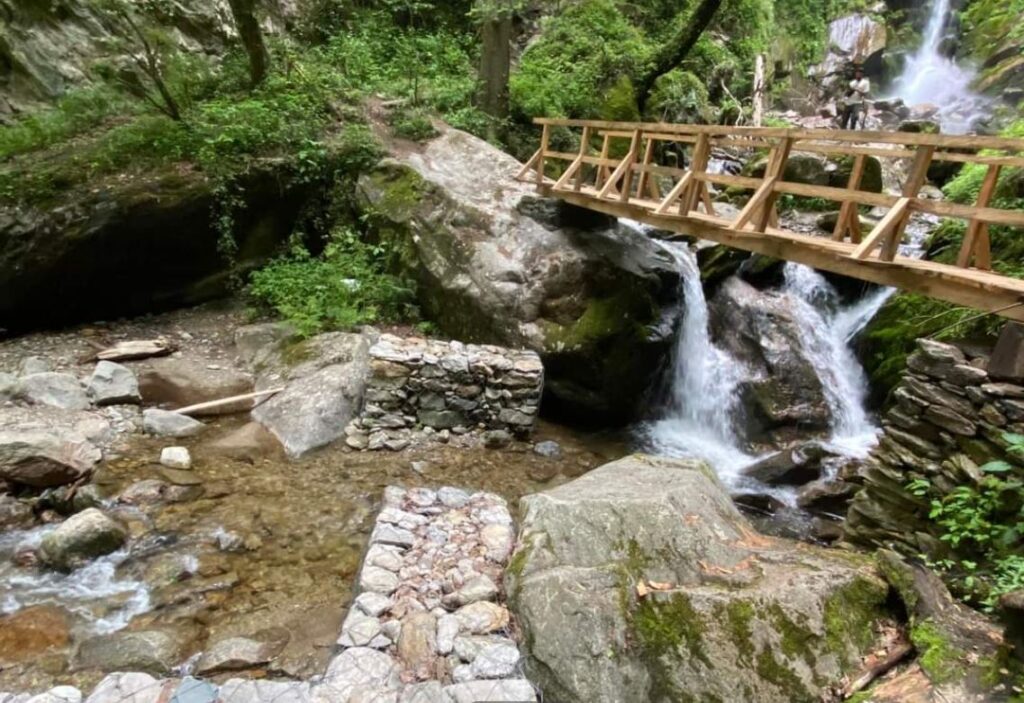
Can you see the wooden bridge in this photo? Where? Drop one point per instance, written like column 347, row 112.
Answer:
column 643, row 183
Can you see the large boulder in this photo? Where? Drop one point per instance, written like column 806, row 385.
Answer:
column 495, row 264
column 324, row 380
column 854, row 38
column 783, row 397
column 642, row 582
column 81, row 537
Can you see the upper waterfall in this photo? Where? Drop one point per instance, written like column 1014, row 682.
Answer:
column 931, row 77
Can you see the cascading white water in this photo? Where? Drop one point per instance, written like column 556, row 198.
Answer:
column 702, row 396
column 827, row 331
column 930, row 77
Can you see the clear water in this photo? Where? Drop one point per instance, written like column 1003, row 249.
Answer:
column 929, row 77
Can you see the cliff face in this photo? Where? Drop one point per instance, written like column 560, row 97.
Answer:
column 50, row 46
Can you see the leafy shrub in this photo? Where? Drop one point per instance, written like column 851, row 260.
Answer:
column 413, row 124
column 678, row 96
column 78, row 111
column 982, row 524
column 343, row 287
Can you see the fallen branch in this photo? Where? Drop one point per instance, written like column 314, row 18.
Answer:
column 897, row 654
column 211, row 404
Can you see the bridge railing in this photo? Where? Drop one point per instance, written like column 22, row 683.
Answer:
column 625, row 163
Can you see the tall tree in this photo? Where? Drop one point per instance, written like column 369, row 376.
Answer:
column 495, row 19
column 676, row 49
column 244, row 12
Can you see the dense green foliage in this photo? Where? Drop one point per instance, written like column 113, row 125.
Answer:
column 982, row 524
column 345, row 286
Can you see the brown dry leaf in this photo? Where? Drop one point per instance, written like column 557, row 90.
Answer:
column 641, row 589
column 660, row 585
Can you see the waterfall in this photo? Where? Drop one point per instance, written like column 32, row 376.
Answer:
column 702, row 397
column 929, row 77
column 827, row 331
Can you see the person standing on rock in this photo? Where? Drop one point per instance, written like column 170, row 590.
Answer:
column 853, row 101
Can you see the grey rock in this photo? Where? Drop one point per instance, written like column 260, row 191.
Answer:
column 193, row 690
column 83, row 536
column 495, row 661
column 134, row 687
column 31, row 365
column 60, row 694
column 58, row 390
column 373, row 604
column 361, row 630
column 497, row 539
column 249, row 443
column 357, row 667
column 447, row 630
column 176, row 457
column 791, row 467
column 467, row 647
column 482, row 617
column 1007, row 360
column 426, row 692
column 1003, row 390
column 237, row 653
column 386, row 534
column 506, row 691
column 14, row 514
column 782, row 392
column 385, row 556
column 966, row 375
column 151, row 651
column 478, row 588
column 378, row 580
column 246, row 691
column 452, row 497
column 950, row 420
column 164, row 423
column 497, row 439
column 43, row 458
column 113, row 384
column 255, row 343
column 548, row 449
column 671, row 521
column 314, row 410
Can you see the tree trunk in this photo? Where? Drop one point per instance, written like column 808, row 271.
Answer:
column 677, row 48
column 759, row 90
column 252, row 38
column 495, row 66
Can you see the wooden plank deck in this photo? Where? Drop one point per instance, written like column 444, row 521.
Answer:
column 628, row 187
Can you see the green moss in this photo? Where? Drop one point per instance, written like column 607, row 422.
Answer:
column 862, row 697
column 738, row 616
column 619, row 104
column 400, row 190
column 850, row 615
column 935, row 654
column 771, row 670
column 620, row 313
column 667, row 625
column 517, row 563
column 795, row 639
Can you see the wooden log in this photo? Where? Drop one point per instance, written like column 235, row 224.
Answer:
column 627, row 174
column 886, row 227
column 674, row 194
column 545, row 139
column 849, row 209
column 136, row 349
column 759, row 197
column 211, row 404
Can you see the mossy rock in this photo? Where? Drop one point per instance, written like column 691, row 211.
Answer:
column 642, row 582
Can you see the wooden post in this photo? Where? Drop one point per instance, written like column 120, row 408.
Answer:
column 776, row 169
column 627, row 174
column 545, row 139
column 602, row 170
column 645, row 177
column 758, row 90
column 698, row 165
column 576, row 166
column 917, row 177
column 976, row 241
column 849, row 211
column 680, row 187
column 584, row 150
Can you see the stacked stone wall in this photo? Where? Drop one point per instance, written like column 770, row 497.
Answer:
column 946, row 419
column 418, row 383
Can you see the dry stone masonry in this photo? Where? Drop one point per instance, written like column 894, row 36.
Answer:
column 948, row 418
column 429, row 608
column 446, row 387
